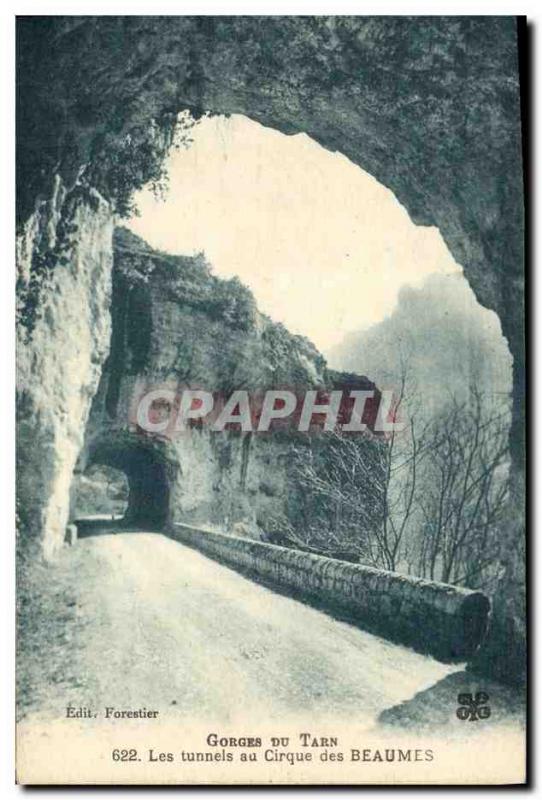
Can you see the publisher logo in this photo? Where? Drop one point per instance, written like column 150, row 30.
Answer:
column 472, row 707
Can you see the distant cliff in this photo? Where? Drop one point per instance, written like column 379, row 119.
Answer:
column 440, row 340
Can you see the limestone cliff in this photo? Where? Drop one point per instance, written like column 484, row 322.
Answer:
column 59, row 361
column 174, row 324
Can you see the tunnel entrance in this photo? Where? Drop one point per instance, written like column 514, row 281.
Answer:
column 149, row 474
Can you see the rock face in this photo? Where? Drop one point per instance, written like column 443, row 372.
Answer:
column 176, row 326
column 429, row 107
column 59, row 361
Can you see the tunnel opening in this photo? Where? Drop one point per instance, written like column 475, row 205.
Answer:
column 145, row 471
column 378, row 295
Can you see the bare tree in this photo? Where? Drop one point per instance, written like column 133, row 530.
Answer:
column 337, row 503
column 464, row 499
column 428, row 500
column 404, row 456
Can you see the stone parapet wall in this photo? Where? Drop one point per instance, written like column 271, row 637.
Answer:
column 444, row 621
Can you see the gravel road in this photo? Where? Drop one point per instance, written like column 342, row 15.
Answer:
column 163, row 627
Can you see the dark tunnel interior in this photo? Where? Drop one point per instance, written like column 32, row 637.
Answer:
column 149, row 478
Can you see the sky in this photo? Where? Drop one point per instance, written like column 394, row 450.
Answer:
column 324, row 247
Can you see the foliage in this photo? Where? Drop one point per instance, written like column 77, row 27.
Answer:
column 117, row 169
column 120, row 167
column 100, row 490
column 290, row 357
column 233, row 303
column 187, row 280
column 46, row 259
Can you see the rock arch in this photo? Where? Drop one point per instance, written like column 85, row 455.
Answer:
column 150, row 468
column 430, row 107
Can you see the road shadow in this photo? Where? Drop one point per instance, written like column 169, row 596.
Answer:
column 104, row 526
column 437, row 707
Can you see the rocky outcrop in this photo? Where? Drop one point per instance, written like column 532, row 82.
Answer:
column 60, row 352
column 175, row 326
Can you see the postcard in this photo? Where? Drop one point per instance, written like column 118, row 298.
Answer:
column 270, row 400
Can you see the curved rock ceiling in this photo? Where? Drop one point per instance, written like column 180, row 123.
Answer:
column 430, row 109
